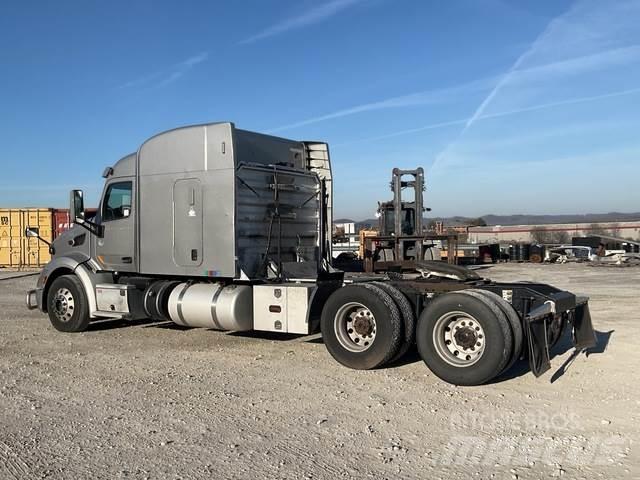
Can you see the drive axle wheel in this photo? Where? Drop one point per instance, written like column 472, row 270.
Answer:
column 459, row 339
column 514, row 322
column 355, row 327
column 464, row 339
column 361, row 326
column 67, row 304
column 408, row 318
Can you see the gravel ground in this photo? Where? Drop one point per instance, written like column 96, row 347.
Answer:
column 149, row 400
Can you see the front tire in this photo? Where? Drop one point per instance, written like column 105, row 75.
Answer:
column 361, row 326
column 463, row 339
column 67, row 305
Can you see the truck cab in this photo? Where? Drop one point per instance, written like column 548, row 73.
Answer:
column 387, row 221
column 206, row 203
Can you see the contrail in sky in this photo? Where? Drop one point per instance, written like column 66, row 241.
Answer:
column 465, row 121
column 496, row 89
column 316, row 14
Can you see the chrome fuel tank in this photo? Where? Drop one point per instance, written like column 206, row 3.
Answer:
column 212, row 305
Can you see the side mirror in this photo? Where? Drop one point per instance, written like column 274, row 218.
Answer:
column 76, row 206
column 29, row 232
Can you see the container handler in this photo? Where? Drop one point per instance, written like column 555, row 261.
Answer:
column 216, row 227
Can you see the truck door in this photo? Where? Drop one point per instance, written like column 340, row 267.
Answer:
column 116, row 249
column 187, row 222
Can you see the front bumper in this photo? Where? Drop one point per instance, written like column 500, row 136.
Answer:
column 32, row 300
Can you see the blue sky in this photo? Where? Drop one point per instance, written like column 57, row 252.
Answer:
column 511, row 106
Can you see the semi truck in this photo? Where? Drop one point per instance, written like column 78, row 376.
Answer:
column 220, row 228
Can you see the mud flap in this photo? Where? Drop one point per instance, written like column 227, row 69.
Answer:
column 538, row 347
column 536, row 333
column 583, row 334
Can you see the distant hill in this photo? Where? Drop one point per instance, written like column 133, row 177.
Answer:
column 518, row 219
column 569, row 218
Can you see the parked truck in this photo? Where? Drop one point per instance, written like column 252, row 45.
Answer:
column 217, row 227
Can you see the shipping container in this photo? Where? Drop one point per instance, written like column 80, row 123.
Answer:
column 61, row 221
column 16, row 249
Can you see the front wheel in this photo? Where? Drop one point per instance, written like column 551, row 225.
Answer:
column 67, row 305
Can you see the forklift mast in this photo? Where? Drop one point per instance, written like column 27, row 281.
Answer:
column 397, row 185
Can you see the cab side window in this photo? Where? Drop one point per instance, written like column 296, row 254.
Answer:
column 117, row 202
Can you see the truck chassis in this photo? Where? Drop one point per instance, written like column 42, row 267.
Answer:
column 468, row 330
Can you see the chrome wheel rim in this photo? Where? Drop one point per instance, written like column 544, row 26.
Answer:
column 355, row 327
column 459, row 339
column 63, row 304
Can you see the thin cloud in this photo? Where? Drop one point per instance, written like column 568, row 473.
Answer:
column 314, row 15
column 427, row 97
column 578, row 65
column 601, row 157
column 562, row 68
column 141, row 80
column 570, row 101
column 195, row 60
column 489, row 146
column 570, row 34
column 169, row 75
column 505, row 113
column 172, row 77
column 432, row 126
column 506, row 77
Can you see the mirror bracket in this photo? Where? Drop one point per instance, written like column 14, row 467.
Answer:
column 34, row 234
column 77, row 214
column 91, row 227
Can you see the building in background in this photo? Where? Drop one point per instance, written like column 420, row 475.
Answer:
column 552, row 233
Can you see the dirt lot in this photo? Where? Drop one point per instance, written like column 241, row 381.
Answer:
column 157, row 401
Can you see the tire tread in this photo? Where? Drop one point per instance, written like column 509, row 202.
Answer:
column 374, row 298
column 80, row 319
column 408, row 317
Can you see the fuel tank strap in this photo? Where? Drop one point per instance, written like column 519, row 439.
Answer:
column 179, row 303
column 214, row 301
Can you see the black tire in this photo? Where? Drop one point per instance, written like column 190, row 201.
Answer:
column 468, row 367
column 67, row 305
column 162, row 300
column 387, row 326
column 408, row 319
column 150, row 300
column 514, row 323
